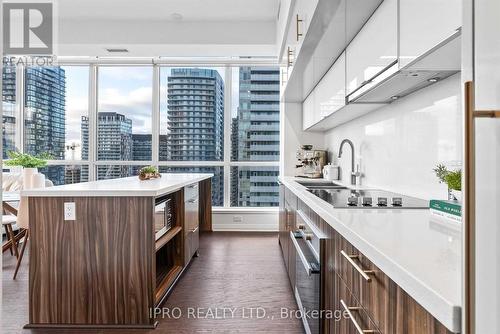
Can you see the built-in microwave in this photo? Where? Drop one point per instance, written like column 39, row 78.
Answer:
column 162, row 216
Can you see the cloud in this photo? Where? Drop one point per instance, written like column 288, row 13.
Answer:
column 135, row 105
column 126, row 73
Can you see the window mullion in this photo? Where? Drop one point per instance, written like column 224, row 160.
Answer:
column 155, row 140
column 227, row 134
column 92, row 150
column 20, row 105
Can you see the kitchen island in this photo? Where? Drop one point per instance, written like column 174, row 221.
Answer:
column 96, row 258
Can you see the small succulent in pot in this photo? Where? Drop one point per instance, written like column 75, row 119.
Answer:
column 148, row 172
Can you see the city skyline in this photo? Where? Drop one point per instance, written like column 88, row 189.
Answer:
column 125, row 133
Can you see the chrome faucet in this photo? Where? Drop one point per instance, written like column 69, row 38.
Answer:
column 354, row 174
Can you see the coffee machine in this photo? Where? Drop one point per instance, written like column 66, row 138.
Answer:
column 310, row 162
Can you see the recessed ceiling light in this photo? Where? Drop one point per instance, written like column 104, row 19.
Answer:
column 433, row 80
column 117, row 50
column 176, row 17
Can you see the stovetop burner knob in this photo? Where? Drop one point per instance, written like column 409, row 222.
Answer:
column 382, row 201
column 397, row 201
column 352, row 201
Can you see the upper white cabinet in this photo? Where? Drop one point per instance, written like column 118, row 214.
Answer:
column 303, row 13
column 328, row 96
column 308, row 114
column 330, row 91
column 374, row 48
column 424, row 24
column 328, row 49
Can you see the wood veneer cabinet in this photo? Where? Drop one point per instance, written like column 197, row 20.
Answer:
column 105, row 269
column 288, row 207
column 379, row 305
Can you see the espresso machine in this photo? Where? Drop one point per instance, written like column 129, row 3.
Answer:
column 310, row 162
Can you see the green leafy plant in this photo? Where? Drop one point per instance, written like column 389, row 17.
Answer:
column 148, row 172
column 452, row 178
column 27, row 160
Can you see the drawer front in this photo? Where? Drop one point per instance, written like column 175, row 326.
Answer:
column 191, row 191
column 351, row 317
column 191, row 215
column 290, row 198
column 370, row 286
column 191, row 244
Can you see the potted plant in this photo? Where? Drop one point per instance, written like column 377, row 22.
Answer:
column 453, row 179
column 148, row 172
column 30, row 164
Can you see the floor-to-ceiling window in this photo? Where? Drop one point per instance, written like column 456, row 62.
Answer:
column 191, row 134
column 124, row 119
column 255, row 136
column 10, row 118
column 107, row 121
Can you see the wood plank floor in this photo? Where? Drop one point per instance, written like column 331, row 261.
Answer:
column 243, row 272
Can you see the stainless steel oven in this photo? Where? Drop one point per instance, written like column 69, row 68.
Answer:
column 163, row 216
column 309, row 242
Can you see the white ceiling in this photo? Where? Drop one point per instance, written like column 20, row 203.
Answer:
column 190, row 10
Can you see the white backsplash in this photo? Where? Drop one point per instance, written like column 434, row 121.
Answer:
column 398, row 146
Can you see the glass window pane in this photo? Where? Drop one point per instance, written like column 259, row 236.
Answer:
column 77, row 109
column 124, row 113
column 254, row 186
column 65, row 174
column 217, row 180
column 105, row 172
column 9, row 110
column 191, row 114
column 56, row 103
column 255, row 114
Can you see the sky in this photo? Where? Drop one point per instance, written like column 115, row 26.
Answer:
column 126, row 90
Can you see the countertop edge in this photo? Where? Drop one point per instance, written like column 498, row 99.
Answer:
column 443, row 310
column 53, row 191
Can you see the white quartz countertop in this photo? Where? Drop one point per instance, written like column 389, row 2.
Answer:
column 420, row 253
column 127, row 186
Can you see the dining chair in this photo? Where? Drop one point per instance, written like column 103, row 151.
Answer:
column 9, row 218
column 23, row 223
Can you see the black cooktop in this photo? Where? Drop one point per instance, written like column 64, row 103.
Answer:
column 347, row 198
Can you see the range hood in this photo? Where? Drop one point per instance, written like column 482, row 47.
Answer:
column 394, row 82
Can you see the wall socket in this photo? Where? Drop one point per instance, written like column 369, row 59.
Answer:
column 237, row 219
column 69, row 211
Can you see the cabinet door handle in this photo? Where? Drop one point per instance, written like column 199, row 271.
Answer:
column 288, row 55
column 354, row 322
column 297, row 22
column 194, row 200
column 363, row 273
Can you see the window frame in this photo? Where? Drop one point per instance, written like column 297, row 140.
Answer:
column 157, row 63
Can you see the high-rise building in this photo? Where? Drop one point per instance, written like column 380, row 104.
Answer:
column 72, row 174
column 44, row 114
column 195, row 112
column 141, row 147
column 114, row 142
column 258, row 137
column 8, row 107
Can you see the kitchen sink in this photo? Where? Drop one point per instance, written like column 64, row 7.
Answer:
column 322, row 185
